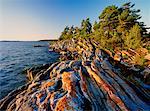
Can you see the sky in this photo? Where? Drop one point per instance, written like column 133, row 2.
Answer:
column 28, row 20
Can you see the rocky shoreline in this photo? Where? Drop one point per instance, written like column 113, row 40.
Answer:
column 86, row 78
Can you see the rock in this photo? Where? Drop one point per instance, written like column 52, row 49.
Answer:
column 132, row 52
column 142, row 51
column 109, row 53
column 35, row 71
column 125, row 53
column 30, row 75
column 39, row 46
column 146, row 75
column 93, row 80
column 117, row 56
column 147, row 57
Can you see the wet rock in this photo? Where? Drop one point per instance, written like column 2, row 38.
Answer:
column 35, row 71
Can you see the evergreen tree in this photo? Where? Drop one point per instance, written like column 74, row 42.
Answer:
column 133, row 37
column 96, row 26
column 127, row 17
column 117, row 27
column 64, row 33
column 108, row 20
column 77, row 32
column 67, row 33
column 86, row 27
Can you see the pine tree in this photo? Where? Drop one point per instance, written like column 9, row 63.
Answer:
column 108, row 20
column 86, row 27
column 117, row 27
column 96, row 26
column 64, row 33
column 67, row 33
column 133, row 37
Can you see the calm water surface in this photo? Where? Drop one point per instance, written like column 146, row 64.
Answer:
column 17, row 56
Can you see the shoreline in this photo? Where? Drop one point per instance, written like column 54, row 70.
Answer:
column 44, row 40
column 16, row 57
column 84, row 72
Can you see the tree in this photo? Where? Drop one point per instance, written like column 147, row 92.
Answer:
column 77, row 32
column 86, row 27
column 117, row 27
column 127, row 17
column 67, row 33
column 96, row 26
column 109, row 20
column 64, row 33
column 133, row 37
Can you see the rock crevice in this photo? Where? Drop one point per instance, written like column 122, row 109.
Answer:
column 86, row 79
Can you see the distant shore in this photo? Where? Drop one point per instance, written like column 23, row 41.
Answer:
column 49, row 40
column 29, row 41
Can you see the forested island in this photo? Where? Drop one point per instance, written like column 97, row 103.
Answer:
column 102, row 67
column 118, row 27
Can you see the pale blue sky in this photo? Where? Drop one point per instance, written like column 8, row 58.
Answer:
column 45, row 19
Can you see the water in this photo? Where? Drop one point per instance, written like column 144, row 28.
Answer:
column 15, row 57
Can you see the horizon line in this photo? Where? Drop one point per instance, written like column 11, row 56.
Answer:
column 27, row 40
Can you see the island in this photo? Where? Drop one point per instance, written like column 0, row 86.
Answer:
column 104, row 67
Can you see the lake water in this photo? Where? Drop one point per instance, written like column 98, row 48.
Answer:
column 15, row 57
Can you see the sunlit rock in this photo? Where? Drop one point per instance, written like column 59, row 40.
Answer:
column 91, row 80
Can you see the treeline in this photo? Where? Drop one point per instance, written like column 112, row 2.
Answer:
column 116, row 27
